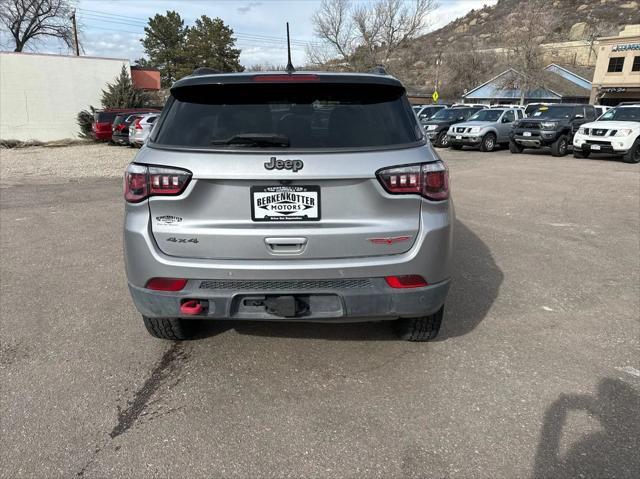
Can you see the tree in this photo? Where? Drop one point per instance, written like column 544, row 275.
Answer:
column 464, row 69
column 165, row 45
column 176, row 50
column 210, row 43
column 370, row 33
column 32, row 20
column 524, row 33
column 122, row 94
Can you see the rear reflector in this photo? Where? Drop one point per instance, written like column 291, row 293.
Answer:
column 408, row 281
column 166, row 284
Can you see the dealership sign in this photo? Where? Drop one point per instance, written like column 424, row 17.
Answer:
column 626, row 47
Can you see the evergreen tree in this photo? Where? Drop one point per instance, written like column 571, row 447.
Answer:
column 176, row 50
column 122, row 94
column 210, row 43
column 165, row 45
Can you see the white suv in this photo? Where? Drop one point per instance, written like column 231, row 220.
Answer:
column 616, row 132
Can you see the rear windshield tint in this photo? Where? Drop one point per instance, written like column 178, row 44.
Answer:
column 304, row 115
column 105, row 116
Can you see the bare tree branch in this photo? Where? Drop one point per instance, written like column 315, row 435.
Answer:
column 370, row 34
column 28, row 20
column 524, row 34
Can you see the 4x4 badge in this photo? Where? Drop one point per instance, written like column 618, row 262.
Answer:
column 293, row 165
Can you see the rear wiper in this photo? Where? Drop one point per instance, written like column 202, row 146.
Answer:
column 254, row 139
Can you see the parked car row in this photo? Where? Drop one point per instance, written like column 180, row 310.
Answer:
column 559, row 127
column 124, row 126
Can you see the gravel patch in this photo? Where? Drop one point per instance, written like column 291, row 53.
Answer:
column 61, row 164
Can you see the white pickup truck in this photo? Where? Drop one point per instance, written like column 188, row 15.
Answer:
column 616, row 132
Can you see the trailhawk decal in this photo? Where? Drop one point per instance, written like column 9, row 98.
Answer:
column 285, row 203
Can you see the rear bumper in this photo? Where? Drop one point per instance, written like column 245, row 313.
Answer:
column 372, row 299
column 120, row 139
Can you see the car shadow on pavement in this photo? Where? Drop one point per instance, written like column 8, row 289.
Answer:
column 475, row 286
column 612, row 451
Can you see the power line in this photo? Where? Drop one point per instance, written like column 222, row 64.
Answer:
column 137, row 22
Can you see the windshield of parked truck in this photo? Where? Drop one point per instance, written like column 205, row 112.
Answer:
column 627, row 113
column 555, row 111
column 486, row 115
column 450, row 114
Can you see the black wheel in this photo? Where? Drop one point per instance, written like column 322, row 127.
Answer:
column 488, row 142
column 633, row 155
column 515, row 148
column 456, row 146
column 168, row 328
column 579, row 153
column 560, row 147
column 443, row 140
column 419, row 329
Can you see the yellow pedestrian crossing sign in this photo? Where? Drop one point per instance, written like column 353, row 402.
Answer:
column 435, row 96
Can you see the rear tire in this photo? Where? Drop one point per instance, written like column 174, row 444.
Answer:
column 488, row 142
column 419, row 329
column 560, row 147
column 578, row 153
column 174, row 329
column 443, row 140
column 633, row 155
column 515, row 148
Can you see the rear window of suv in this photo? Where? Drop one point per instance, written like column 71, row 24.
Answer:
column 296, row 116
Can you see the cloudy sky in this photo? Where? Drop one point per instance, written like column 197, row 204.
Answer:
column 114, row 28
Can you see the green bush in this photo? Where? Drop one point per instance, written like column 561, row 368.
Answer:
column 84, row 120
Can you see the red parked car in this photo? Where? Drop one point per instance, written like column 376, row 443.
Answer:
column 103, row 120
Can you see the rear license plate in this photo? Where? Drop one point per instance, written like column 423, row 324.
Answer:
column 595, row 147
column 285, row 203
column 458, row 137
column 526, row 133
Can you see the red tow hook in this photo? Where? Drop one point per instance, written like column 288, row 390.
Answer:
column 191, row 307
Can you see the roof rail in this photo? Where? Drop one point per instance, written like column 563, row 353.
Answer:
column 205, row 71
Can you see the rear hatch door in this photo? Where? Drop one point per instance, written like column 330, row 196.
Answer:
column 316, row 198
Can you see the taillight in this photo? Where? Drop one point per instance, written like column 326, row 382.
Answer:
column 141, row 182
column 407, row 281
column 166, row 284
column 430, row 180
column 138, row 126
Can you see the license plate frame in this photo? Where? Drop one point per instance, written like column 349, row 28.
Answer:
column 458, row 137
column 595, row 147
column 526, row 133
column 309, row 201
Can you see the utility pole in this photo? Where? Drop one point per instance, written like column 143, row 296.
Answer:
column 75, row 33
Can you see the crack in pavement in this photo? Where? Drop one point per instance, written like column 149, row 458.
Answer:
column 168, row 365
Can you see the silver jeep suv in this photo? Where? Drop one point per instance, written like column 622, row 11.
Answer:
column 288, row 197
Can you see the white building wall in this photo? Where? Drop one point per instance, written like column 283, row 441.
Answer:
column 41, row 95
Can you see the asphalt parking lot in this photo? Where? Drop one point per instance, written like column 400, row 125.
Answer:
column 536, row 372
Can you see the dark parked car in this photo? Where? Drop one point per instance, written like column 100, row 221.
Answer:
column 550, row 126
column 428, row 111
column 438, row 125
column 120, row 127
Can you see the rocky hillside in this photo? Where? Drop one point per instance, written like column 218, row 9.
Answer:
column 469, row 47
column 575, row 19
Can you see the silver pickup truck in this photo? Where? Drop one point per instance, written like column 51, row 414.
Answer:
column 485, row 129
